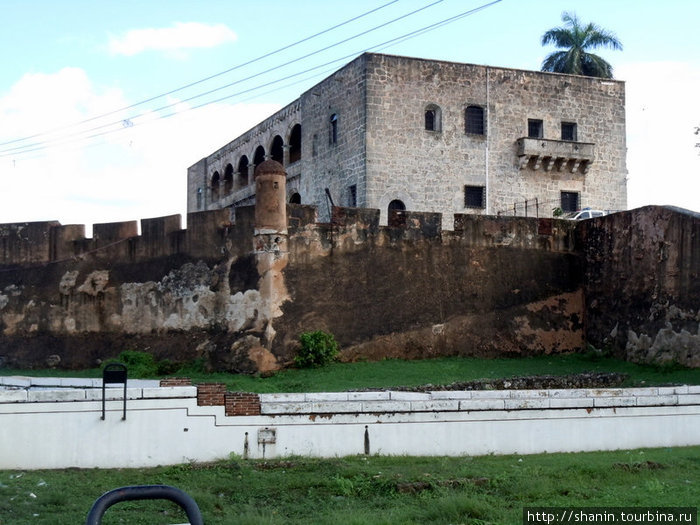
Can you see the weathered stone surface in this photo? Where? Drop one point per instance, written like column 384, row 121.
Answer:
column 643, row 284
column 492, row 287
column 364, row 139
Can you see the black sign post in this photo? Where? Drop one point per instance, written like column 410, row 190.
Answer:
column 114, row 373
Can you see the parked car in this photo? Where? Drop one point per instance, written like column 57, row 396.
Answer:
column 585, row 213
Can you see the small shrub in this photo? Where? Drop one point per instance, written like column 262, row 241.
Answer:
column 317, row 349
column 138, row 364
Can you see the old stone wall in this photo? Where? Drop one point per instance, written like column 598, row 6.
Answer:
column 491, row 286
column 334, row 162
column 364, row 139
column 642, row 284
column 428, row 170
column 239, row 297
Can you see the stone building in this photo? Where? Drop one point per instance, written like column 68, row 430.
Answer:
column 393, row 132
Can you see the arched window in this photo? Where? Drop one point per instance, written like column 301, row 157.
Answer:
column 396, row 210
column 333, row 130
column 228, row 179
column 259, row 156
column 215, row 180
column 295, row 198
column 242, row 180
column 474, row 120
column 295, row 144
column 433, row 118
column 277, row 150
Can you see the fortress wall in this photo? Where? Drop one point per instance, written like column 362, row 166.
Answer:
column 642, row 284
column 492, row 286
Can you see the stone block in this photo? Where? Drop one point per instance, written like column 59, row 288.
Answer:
column 445, row 405
column 526, row 404
column 606, row 392
column 369, row 396
column 327, row 396
column 80, row 382
column 113, row 394
column 482, row 404
column 42, row 396
column 490, row 394
column 571, row 402
column 335, row 407
column 13, row 395
column 282, row 398
column 568, row 392
column 528, row 394
column 689, row 399
column 451, row 394
column 660, row 400
column 668, row 390
column 45, row 381
column 285, row 408
column 409, row 396
column 609, row 401
column 170, row 392
column 386, row 406
column 20, row 381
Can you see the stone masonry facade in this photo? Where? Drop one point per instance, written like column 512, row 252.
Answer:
column 434, row 136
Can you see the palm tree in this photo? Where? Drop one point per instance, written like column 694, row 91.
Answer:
column 577, row 39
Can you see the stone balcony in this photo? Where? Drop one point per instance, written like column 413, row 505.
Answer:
column 559, row 155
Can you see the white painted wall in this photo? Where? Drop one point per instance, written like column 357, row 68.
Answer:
column 59, row 428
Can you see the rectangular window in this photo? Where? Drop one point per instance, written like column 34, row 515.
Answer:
column 569, row 201
column 430, row 120
column 474, row 120
column 333, row 130
column 352, row 196
column 535, row 128
column 568, row 131
column 475, row 197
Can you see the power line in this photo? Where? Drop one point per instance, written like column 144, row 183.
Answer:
column 383, row 45
column 37, row 145
column 210, row 77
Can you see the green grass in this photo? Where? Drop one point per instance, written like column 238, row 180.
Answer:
column 365, row 489
column 383, row 374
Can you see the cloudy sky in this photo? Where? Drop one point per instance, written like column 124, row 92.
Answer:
column 104, row 104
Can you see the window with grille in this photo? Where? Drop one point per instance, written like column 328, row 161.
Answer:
column 535, row 128
column 474, row 120
column 569, row 201
column 568, row 131
column 474, row 196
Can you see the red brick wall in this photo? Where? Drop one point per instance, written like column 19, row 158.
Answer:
column 242, row 404
column 210, row 394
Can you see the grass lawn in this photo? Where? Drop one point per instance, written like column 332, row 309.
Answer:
column 383, row 374
column 364, row 489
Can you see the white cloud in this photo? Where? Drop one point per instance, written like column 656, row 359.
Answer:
column 177, row 38
column 663, row 109
column 134, row 173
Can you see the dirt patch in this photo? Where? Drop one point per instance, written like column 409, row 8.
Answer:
column 636, row 467
column 583, row 380
column 415, row 487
